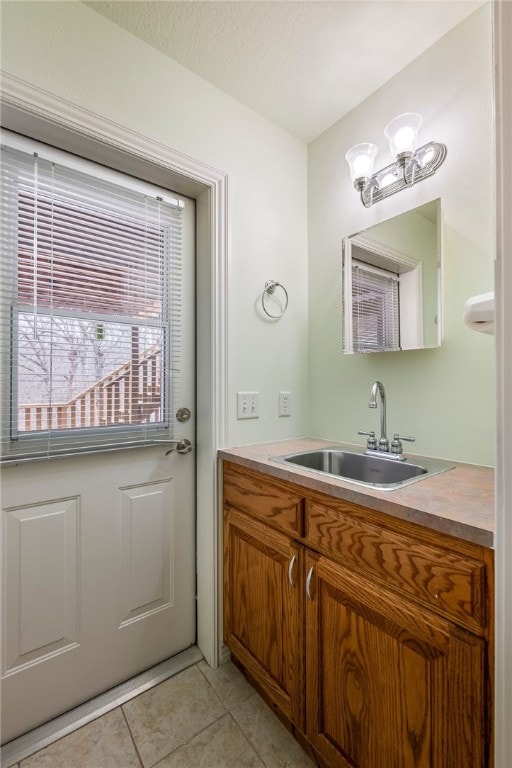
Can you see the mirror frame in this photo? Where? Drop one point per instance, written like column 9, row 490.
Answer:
column 405, row 263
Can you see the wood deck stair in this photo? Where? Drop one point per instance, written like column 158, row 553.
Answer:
column 130, row 394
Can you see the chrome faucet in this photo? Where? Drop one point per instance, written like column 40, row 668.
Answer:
column 383, row 445
column 378, row 387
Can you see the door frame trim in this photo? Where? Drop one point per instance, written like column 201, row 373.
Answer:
column 46, row 117
column 502, row 18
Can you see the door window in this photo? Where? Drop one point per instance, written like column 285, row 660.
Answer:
column 90, row 308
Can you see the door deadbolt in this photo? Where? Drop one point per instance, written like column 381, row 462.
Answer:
column 183, row 414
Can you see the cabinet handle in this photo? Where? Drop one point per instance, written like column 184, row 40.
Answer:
column 290, row 570
column 308, row 583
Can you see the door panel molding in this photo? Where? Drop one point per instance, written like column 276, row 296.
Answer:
column 41, row 605
column 146, row 573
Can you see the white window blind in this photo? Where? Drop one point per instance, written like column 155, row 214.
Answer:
column 375, row 309
column 90, row 310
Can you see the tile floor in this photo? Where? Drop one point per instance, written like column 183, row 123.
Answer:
column 201, row 718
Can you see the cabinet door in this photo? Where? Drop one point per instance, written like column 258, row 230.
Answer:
column 263, row 607
column 388, row 685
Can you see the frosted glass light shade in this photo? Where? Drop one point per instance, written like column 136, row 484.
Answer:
column 402, row 133
column 360, row 159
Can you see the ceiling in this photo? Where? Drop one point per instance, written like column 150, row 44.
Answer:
column 303, row 64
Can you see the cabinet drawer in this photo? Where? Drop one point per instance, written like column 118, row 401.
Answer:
column 275, row 503
column 453, row 583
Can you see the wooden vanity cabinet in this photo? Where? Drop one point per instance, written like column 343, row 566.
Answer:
column 263, row 608
column 371, row 640
column 388, row 684
column 263, row 602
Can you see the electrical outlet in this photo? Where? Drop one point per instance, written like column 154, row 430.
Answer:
column 248, row 405
column 285, row 404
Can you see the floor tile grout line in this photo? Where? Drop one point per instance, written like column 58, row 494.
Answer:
column 254, row 695
column 180, row 746
column 43, row 736
column 81, row 728
column 218, row 695
column 230, row 713
column 249, row 742
column 225, row 714
column 226, row 711
column 132, row 736
column 215, row 694
column 164, row 757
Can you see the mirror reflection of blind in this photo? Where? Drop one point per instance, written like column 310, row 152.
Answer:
column 375, row 309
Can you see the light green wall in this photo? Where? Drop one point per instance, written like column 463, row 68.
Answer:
column 444, row 397
column 70, row 50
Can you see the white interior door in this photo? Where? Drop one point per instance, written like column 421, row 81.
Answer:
column 99, row 561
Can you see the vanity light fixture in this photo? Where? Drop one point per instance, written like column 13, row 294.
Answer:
column 411, row 164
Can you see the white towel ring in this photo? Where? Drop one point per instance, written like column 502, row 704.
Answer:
column 270, row 289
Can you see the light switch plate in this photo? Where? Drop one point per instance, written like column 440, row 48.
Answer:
column 248, row 405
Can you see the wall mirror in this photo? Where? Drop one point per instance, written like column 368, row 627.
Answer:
column 392, row 283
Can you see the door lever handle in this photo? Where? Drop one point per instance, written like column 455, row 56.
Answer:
column 182, row 446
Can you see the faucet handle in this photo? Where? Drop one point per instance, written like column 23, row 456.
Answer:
column 396, row 445
column 371, row 443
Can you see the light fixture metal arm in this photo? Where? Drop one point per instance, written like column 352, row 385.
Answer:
column 407, row 170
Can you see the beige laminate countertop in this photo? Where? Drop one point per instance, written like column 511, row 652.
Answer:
column 459, row 502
